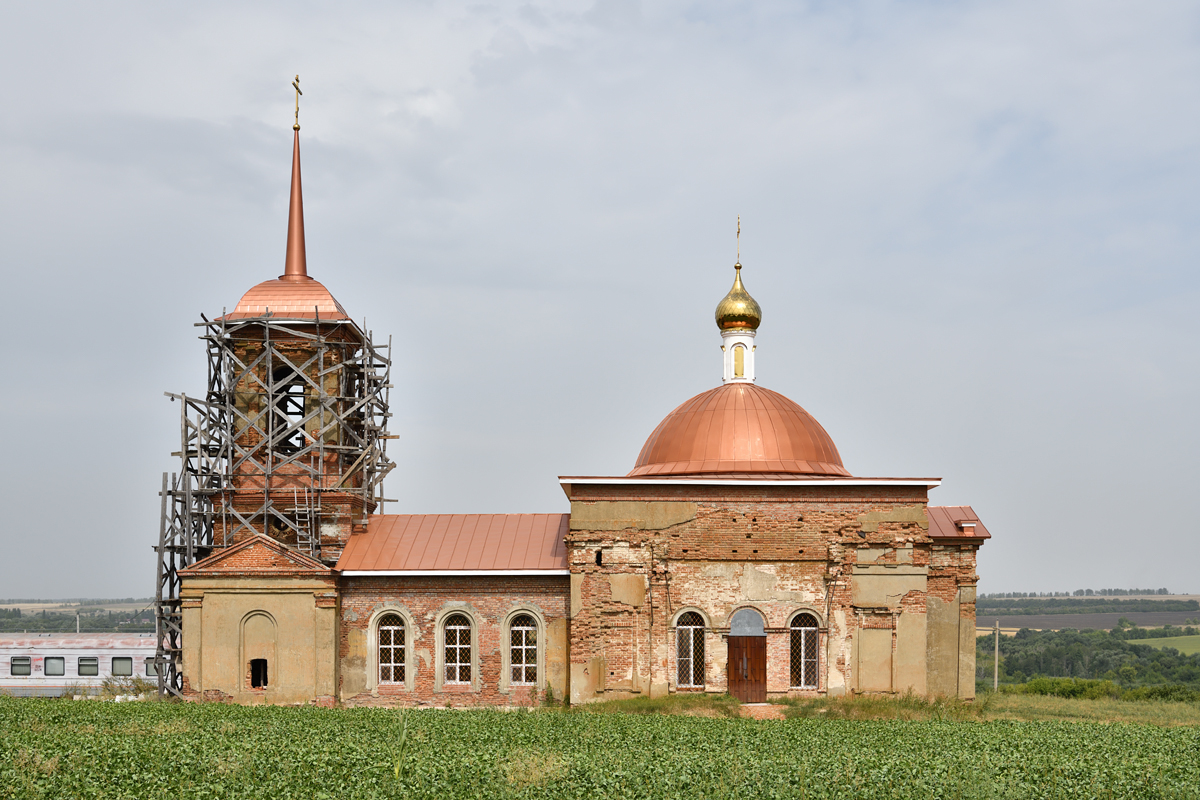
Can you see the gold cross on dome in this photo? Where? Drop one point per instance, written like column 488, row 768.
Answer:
column 296, row 86
column 739, row 239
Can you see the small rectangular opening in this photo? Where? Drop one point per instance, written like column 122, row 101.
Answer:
column 122, row 666
column 21, row 666
column 258, row 673
column 89, row 666
column 151, row 669
column 55, row 666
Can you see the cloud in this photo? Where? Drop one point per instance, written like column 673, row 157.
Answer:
column 971, row 228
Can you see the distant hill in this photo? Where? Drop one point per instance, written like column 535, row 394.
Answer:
column 1040, row 606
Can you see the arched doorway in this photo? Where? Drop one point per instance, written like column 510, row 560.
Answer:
column 747, row 664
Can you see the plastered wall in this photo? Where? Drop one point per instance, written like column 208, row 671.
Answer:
column 290, row 622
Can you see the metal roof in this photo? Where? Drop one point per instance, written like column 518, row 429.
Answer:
column 77, row 641
column 955, row 522
column 288, row 298
column 458, row 543
column 738, row 428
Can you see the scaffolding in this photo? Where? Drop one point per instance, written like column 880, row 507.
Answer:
column 290, row 441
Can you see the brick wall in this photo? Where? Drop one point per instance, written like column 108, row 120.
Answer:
column 778, row 549
column 489, row 601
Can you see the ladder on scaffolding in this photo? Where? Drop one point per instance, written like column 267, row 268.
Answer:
column 308, row 516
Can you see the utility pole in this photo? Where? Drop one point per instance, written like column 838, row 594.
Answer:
column 996, row 658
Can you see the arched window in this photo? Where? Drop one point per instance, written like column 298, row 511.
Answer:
column 804, row 651
column 523, row 651
column 739, row 361
column 391, row 649
column 689, row 650
column 458, row 649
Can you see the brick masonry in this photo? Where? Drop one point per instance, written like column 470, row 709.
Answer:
column 859, row 558
column 424, row 603
column 892, row 602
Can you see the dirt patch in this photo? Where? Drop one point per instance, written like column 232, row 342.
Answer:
column 762, row 712
column 530, row 766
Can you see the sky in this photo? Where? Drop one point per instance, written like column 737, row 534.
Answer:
column 972, row 228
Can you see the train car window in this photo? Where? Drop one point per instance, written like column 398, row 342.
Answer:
column 89, row 666
column 122, row 666
column 151, row 670
column 20, row 666
column 55, row 665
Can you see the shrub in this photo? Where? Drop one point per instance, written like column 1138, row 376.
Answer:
column 1170, row 692
column 1072, row 687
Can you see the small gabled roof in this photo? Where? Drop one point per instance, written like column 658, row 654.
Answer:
column 458, row 543
column 258, row 555
column 955, row 522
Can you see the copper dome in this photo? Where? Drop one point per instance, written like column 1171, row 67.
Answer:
column 742, row 428
column 288, row 297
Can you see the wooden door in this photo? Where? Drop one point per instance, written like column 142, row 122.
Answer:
column 747, row 668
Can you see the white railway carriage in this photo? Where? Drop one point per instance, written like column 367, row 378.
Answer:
column 46, row 664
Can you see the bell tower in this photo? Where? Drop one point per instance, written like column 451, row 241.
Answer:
column 288, row 440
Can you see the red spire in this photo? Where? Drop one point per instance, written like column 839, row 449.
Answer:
column 295, row 267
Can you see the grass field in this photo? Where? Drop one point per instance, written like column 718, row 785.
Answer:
column 1188, row 645
column 56, row 748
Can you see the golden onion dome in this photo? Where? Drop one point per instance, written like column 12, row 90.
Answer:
column 738, row 309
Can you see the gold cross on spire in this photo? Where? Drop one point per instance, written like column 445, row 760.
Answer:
column 296, row 86
column 739, row 242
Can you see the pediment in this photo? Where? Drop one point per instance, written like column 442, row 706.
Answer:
column 258, row 555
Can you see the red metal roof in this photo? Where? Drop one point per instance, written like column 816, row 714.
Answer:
column 946, row 522
column 458, row 542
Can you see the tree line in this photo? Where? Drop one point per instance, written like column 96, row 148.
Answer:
column 12, row 620
column 1099, row 655
column 1077, row 605
column 1076, row 593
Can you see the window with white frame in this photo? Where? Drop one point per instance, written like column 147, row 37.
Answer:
column 457, row 650
column 803, row 632
column 20, row 666
column 689, row 650
column 523, row 651
column 89, row 666
column 391, row 649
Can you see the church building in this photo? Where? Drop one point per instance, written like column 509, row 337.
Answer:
column 737, row 555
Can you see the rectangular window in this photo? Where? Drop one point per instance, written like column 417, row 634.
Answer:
column 122, row 666
column 523, row 651
column 458, row 649
column 151, row 670
column 89, row 667
column 258, row 673
column 21, row 666
column 55, row 666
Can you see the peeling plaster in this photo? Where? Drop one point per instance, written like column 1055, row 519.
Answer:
column 870, row 521
column 619, row 515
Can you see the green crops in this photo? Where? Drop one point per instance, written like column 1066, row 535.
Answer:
column 65, row 749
